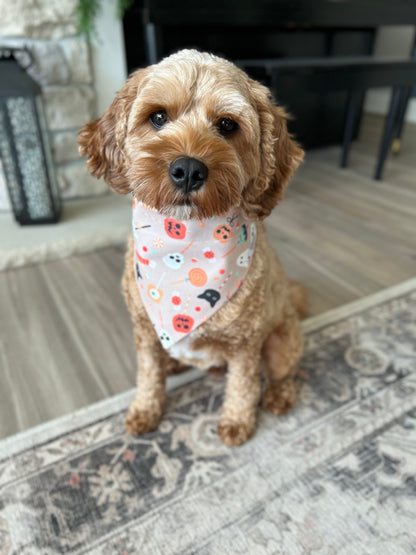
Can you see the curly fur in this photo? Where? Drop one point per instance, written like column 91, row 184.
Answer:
column 249, row 169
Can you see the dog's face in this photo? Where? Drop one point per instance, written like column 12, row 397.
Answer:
column 193, row 137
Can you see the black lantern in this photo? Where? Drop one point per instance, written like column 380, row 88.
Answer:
column 24, row 145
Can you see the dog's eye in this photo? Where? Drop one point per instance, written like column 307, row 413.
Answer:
column 227, row 126
column 159, row 119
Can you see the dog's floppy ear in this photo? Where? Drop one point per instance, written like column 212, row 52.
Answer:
column 102, row 140
column 280, row 156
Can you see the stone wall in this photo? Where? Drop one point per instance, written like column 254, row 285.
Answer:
column 62, row 66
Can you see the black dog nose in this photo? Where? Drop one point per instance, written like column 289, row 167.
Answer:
column 188, row 174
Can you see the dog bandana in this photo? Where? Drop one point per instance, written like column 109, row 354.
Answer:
column 187, row 270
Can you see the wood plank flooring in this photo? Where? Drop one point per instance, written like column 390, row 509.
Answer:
column 65, row 338
column 65, row 334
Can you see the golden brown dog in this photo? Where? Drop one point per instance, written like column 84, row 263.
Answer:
column 197, row 106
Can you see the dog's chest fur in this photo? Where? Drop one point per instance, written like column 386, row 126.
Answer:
column 198, row 357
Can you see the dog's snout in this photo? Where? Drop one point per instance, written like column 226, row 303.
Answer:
column 188, row 174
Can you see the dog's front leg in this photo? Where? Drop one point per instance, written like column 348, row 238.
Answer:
column 238, row 419
column 147, row 407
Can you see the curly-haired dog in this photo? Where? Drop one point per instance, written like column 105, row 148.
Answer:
column 207, row 156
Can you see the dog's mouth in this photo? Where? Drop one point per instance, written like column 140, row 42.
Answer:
column 185, row 207
column 208, row 201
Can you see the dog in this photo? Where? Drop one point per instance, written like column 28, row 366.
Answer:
column 206, row 154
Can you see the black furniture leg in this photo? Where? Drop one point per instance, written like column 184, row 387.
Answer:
column 388, row 131
column 397, row 143
column 352, row 105
column 152, row 50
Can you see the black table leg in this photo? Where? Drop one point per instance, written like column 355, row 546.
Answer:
column 151, row 42
column 388, row 131
column 400, row 120
column 350, row 118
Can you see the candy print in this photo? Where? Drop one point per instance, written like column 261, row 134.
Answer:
column 225, row 281
column 174, row 229
column 176, row 300
column 223, row 233
column 145, row 261
column 182, row 323
column 209, row 255
column 198, row 277
column 141, row 259
column 212, row 296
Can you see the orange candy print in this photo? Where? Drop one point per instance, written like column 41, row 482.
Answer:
column 197, row 277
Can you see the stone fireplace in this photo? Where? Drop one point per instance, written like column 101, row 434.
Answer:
column 62, row 65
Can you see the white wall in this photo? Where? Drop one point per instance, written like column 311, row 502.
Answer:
column 391, row 41
column 108, row 56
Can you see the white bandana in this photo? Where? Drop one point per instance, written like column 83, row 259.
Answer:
column 186, row 271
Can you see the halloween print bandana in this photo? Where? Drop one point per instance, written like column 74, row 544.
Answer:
column 186, row 270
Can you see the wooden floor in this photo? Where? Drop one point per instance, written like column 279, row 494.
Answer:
column 65, row 335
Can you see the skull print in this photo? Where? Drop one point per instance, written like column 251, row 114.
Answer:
column 173, row 260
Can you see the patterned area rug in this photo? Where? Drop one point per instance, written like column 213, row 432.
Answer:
column 334, row 476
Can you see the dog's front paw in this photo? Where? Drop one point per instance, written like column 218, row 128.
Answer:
column 234, row 433
column 141, row 421
column 279, row 397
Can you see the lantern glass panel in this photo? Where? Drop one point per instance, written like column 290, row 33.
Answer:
column 50, row 166
column 28, row 146
column 25, row 147
column 9, row 164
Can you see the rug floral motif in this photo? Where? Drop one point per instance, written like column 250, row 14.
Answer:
column 337, row 475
